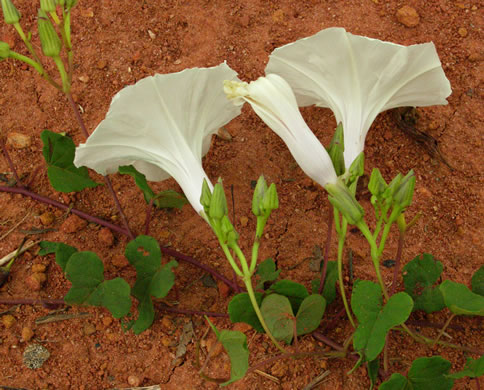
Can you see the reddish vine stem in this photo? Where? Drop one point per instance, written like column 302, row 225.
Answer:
column 398, row 259
column 106, row 178
column 326, row 252
column 191, row 312
column 10, row 164
column 328, row 341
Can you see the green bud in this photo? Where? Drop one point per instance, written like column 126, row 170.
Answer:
column 67, row 30
column 70, row 4
column 270, row 201
column 61, row 2
column 206, row 196
column 392, row 187
column 357, row 168
column 346, row 203
column 51, row 44
column 4, row 50
column 377, row 184
column 336, row 150
column 10, row 13
column 404, row 194
column 230, row 236
column 48, row 5
column 259, row 192
column 218, row 203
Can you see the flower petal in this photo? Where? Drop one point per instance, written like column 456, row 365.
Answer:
column 358, row 77
column 273, row 100
column 163, row 126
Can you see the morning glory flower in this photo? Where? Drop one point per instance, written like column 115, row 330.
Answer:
column 162, row 125
column 359, row 77
column 274, row 102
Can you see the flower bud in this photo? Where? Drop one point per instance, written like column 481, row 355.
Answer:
column 48, row 5
column 341, row 198
column 377, row 184
column 404, row 194
column 259, row 192
column 218, row 202
column 4, row 50
column 206, row 196
column 392, row 187
column 357, row 168
column 336, row 150
column 61, row 2
column 270, row 201
column 70, row 4
column 10, row 13
column 51, row 44
column 230, row 236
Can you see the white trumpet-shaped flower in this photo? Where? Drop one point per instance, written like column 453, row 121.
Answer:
column 163, row 126
column 274, row 102
column 359, row 77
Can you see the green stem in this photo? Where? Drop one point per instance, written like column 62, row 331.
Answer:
column 27, row 43
column 250, row 291
column 28, row 61
column 243, row 261
column 65, row 79
column 231, row 260
column 54, row 17
column 443, row 328
column 255, row 255
column 384, row 236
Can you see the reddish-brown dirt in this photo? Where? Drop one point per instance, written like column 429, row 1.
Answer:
column 119, row 42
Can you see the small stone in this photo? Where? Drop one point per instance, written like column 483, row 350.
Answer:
column 278, row 16
column 243, row 221
column 166, row 341
column 177, row 62
column 73, row 224
column 18, row 140
column 107, row 321
column 101, row 64
column 87, row 13
column 388, row 135
column 35, row 356
column 27, row 333
column 408, row 16
column 424, row 192
column 167, row 324
column 434, row 125
column 35, row 281
column 89, row 329
column 164, row 234
column 8, row 320
column 223, row 289
column 120, row 261
column 83, row 79
column 38, row 268
column 242, row 327
column 224, row 134
column 47, row 218
column 134, row 381
column 323, row 364
column 106, row 237
column 462, row 32
column 151, row 34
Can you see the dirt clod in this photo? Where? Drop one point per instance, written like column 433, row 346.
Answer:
column 408, row 16
column 18, row 140
column 47, row 218
column 35, row 356
column 73, row 224
column 106, row 237
column 35, row 281
column 8, row 320
column 38, row 268
column 462, row 32
column 134, row 381
column 119, row 261
column 27, row 333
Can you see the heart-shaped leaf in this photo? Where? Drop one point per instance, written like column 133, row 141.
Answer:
column 62, row 252
column 310, row 314
column 472, row 369
column 460, row 300
column 267, row 272
column 241, row 310
column 477, row 281
column 295, row 292
column 279, row 317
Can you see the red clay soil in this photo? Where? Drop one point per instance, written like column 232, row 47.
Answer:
column 119, row 42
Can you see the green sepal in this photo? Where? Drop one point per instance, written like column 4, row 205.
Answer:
column 10, row 13
column 392, row 187
column 61, row 2
column 70, row 4
column 50, row 41
column 357, row 168
column 67, row 30
column 377, row 184
column 342, row 198
column 218, row 203
column 4, row 50
column 271, row 200
column 206, row 196
column 48, row 5
column 257, row 199
column 336, row 150
column 404, row 194
column 230, row 235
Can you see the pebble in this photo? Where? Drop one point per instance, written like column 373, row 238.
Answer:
column 47, row 218
column 87, row 13
column 243, row 221
column 101, row 64
column 107, row 321
column 242, row 327
column 106, row 237
column 151, row 34
column 83, row 79
column 119, row 261
column 89, row 329
column 462, row 32
column 223, row 289
column 18, row 140
column 35, row 356
column 73, row 224
column 224, row 134
column 36, row 281
column 27, row 333
column 278, row 16
column 38, row 268
column 8, row 320
column 134, row 381
column 408, row 16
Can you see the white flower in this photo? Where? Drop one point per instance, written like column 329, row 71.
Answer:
column 273, row 100
column 163, row 126
column 359, row 77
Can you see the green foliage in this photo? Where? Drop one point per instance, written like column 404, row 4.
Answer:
column 472, row 369
column 460, row 300
column 152, row 279
column 295, row 292
column 419, row 277
column 241, row 310
column 62, row 252
column 425, row 374
column 375, row 320
column 267, row 272
column 235, row 344
column 163, row 200
column 477, row 281
column 277, row 312
column 85, row 271
column 372, row 368
column 329, row 288
column 310, row 313
column 64, row 176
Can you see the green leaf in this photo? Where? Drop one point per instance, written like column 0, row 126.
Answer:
column 329, row 288
column 295, row 292
column 63, row 175
column 277, row 312
column 139, row 179
column 472, row 369
column 235, row 344
column 425, row 374
column 267, row 272
column 170, row 199
column 152, row 279
column 477, row 281
column 460, row 300
column 241, row 310
column 310, row 314
column 62, row 252
column 85, row 270
column 419, row 277
column 372, row 369
column 375, row 320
